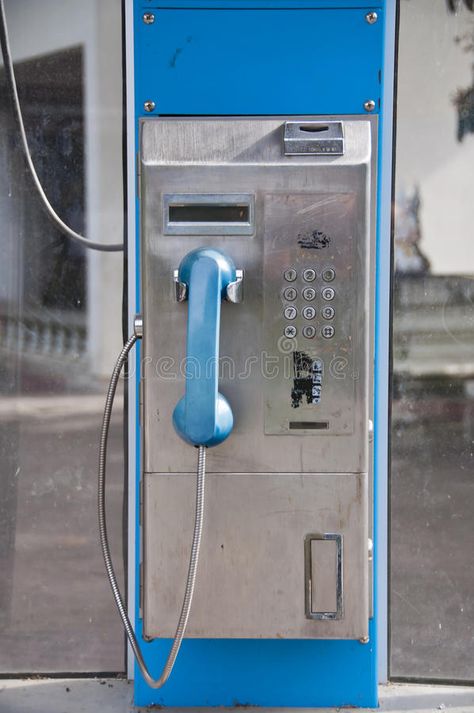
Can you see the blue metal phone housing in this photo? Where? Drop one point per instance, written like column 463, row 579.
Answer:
column 275, row 57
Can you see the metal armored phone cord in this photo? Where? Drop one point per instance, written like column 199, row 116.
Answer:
column 104, row 540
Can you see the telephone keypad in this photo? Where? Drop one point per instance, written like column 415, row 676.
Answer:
column 291, row 312
column 328, row 294
column 309, row 294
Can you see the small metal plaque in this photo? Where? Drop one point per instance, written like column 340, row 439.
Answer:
column 314, row 137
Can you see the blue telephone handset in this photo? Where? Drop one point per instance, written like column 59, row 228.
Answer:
column 203, row 417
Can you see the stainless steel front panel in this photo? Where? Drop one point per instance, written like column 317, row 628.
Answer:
column 299, row 396
column 251, row 580
column 317, row 235
column 295, row 196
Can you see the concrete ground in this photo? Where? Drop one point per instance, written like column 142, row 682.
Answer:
column 115, row 696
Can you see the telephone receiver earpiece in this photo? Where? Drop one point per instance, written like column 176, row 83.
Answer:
column 206, row 276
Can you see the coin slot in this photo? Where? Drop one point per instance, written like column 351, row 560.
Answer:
column 310, row 425
column 314, row 128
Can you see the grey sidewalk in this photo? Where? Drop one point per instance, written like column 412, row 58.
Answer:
column 114, row 696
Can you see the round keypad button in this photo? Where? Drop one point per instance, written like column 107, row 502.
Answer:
column 309, row 275
column 327, row 331
column 290, row 331
column 328, row 275
column 309, row 312
column 290, row 312
column 290, row 275
column 328, row 312
column 309, row 294
column 290, row 294
column 328, row 294
column 309, row 332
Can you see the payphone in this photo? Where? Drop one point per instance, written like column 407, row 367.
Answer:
column 256, row 251
column 286, row 549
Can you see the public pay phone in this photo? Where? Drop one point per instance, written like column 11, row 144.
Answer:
column 258, row 172
column 256, row 239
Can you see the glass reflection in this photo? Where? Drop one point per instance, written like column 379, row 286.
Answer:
column 432, row 487
column 56, row 614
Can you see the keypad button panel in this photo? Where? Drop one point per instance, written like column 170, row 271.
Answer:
column 300, row 293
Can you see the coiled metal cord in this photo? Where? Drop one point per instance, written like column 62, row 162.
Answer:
column 104, row 540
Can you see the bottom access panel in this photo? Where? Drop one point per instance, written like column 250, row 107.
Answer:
column 282, row 555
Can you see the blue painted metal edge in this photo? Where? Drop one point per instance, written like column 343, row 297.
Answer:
column 382, row 341
column 260, row 4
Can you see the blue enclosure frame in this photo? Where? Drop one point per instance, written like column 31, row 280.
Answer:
column 233, row 57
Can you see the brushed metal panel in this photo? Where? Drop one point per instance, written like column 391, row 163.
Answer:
column 338, row 220
column 251, row 580
column 242, row 156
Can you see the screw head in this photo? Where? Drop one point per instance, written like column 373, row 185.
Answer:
column 364, row 640
column 369, row 105
column 148, row 18
column 371, row 18
column 149, row 105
